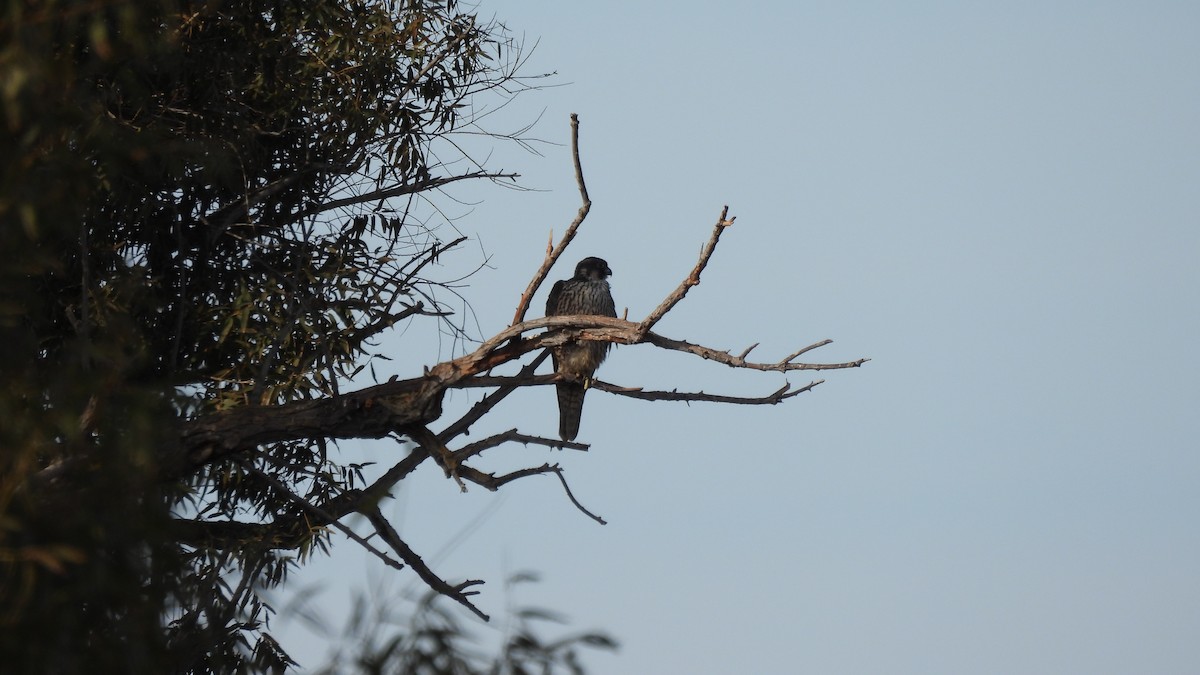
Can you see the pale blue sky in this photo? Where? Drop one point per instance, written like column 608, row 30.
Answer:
column 998, row 203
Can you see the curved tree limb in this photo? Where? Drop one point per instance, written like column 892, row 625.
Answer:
column 692, row 279
column 554, row 252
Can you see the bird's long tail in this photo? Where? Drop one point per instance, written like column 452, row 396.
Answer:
column 570, row 409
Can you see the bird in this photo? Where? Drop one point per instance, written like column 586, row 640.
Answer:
column 587, row 293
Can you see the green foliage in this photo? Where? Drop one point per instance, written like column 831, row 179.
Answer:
column 203, row 205
column 429, row 639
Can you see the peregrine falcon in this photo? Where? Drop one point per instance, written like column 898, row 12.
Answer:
column 585, row 293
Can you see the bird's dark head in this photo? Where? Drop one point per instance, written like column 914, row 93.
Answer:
column 592, row 269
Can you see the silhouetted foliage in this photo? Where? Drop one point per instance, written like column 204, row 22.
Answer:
column 204, row 206
column 424, row 638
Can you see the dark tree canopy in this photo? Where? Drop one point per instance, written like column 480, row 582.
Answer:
column 208, row 212
column 204, row 207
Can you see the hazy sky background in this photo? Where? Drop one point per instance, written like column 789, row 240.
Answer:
column 998, row 203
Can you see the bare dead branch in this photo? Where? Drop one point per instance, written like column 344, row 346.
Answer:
column 692, row 279
column 632, row 392
column 458, row 593
column 477, row 411
column 552, row 256
column 618, row 331
column 502, row 380
column 438, row 450
column 782, row 394
column 382, row 486
column 512, row 435
column 728, row 359
column 583, row 193
column 493, row 482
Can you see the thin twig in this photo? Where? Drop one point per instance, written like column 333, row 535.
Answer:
column 562, row 479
